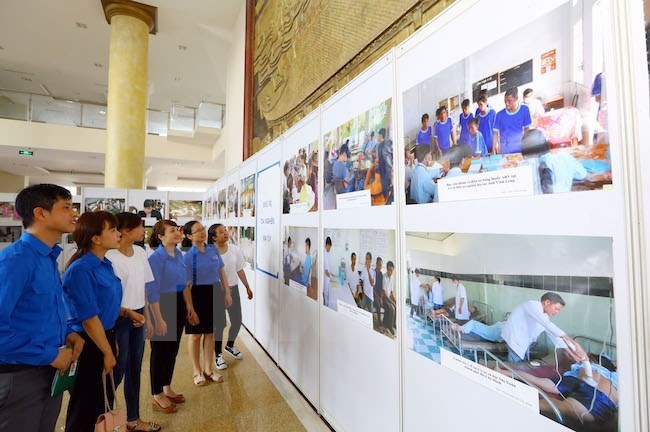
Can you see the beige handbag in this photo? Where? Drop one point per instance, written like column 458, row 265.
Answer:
column 112, row 420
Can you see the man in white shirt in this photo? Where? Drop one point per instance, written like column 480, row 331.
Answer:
column 368, row 281
column 416, row 289
column 327, row 274
column 389, row 299
column 528, row 320
column 352, row 278
column 461, row 310
column 436, row 291
column 534, row 105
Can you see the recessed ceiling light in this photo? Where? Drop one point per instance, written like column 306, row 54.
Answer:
column 102, row 112
column 98, row 65
column 177, row 79
column 182, row 47
column 81, row 25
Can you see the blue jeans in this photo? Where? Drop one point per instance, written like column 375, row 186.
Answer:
column 130, row 342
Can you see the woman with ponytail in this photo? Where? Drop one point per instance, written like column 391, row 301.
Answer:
column 92, row 295
column 206, row 271
column 132, row 267
column 171, row 303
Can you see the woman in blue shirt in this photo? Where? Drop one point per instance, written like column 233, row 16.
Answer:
column 171, row 304
column 92, row 295
column 205, row 269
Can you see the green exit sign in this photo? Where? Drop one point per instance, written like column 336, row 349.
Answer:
column 25, row 152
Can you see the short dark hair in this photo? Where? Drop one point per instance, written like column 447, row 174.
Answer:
column 308, row 242
column 421, row 152
column 390, row 264
column 379, row 260
column 128, row 220
column 328, row 241
column 368, row 255
column 482, row 98
column 372, row 133
column 443, row 108
column 382, row 132
column 553, row 298
column 417, row 271
column 512, row 92
column 212, row 232
column 286, row 166
column 465, row 103
column 40, row 195
column 534, row 143
column 528, row 91
column 474, row 120
column 438, row 278
column 148, row 203
column 456, row 154
column 345, row 149
column 425, row 116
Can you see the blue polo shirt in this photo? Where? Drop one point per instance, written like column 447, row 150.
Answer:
column 477, row 145
column 511, row 128
column 443, row 133
column 424, row 137
column 423, row 189
column 169, row 272
column 486, row 127
column 90, row 288
column 304, row 279
column 203, row 267
column 32, row 315
column 464, row 128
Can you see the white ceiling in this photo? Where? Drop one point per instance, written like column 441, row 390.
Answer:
column 70, row 168
column 63, row 44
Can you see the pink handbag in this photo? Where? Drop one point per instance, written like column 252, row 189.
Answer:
column 112, row 420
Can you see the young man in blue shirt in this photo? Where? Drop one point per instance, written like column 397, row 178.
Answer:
column 423, row 189
column 35, row 339
column 476, row 140
column 511, row 124
column 444, row 135
column 463, row 121
column 486, row 117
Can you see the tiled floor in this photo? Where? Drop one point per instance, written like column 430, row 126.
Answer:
column 422, row 339
column 255, row 396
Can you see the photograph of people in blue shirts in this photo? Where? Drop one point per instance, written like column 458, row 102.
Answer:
column 425, row 133
column 476, row 142
column 463, row 121
column 510, row 125
column 486, row 117
column 341, row 175
column 443, row 133
column 33, row 324
column 171, row 302
column 93, row 295
column 370, row 146
column 306, row 267
column 423, row 188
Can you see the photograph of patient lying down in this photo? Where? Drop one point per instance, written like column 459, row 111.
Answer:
column 538, row 309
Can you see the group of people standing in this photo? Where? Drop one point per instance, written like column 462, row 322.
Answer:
column 110, row 298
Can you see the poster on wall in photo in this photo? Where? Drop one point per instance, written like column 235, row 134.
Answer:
column 9, row 234
column 551, row 127
column 151, row 211
column 247, row 200
column 183, row 211
column 221, row 205
column 233, row 235
column 359, row 277
column 247, row 245
column 7, row 209
column 537, row 328
column 233, row 200
column 300, row 260
column 300, row 181
column 111, row 205
column 359, row 161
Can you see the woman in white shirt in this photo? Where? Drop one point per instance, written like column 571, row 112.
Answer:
column 234, row 266
column 130, row 264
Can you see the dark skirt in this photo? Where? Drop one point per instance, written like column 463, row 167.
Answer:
column 202, row 299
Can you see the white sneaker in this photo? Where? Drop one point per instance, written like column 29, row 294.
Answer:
column 234, row 352
column 220, row 363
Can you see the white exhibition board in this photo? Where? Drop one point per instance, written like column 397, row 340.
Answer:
column 359, row 390
column 298, row 313
column 427, row 384
column 232, row 203
column 267, row 239
column 248, row 238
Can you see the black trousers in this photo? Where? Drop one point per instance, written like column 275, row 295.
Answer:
column 25, row 401
column 234, row 312
column 87, row 396
column 164, row 349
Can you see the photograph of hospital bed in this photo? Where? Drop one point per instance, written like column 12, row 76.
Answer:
column 567, row 104
column 506, row 279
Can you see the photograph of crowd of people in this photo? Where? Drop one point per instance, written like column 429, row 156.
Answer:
column 221, row 205
column 359, row 270
column 300, row 176
column 300, row 260
column 233, row 200
column 526, row 107
column 359, row 157
column 544, row 317
column 247, row 245
column 233, row 235
column 9, row 234
column 111, row 205
column 185, row 210
column 247, row 200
